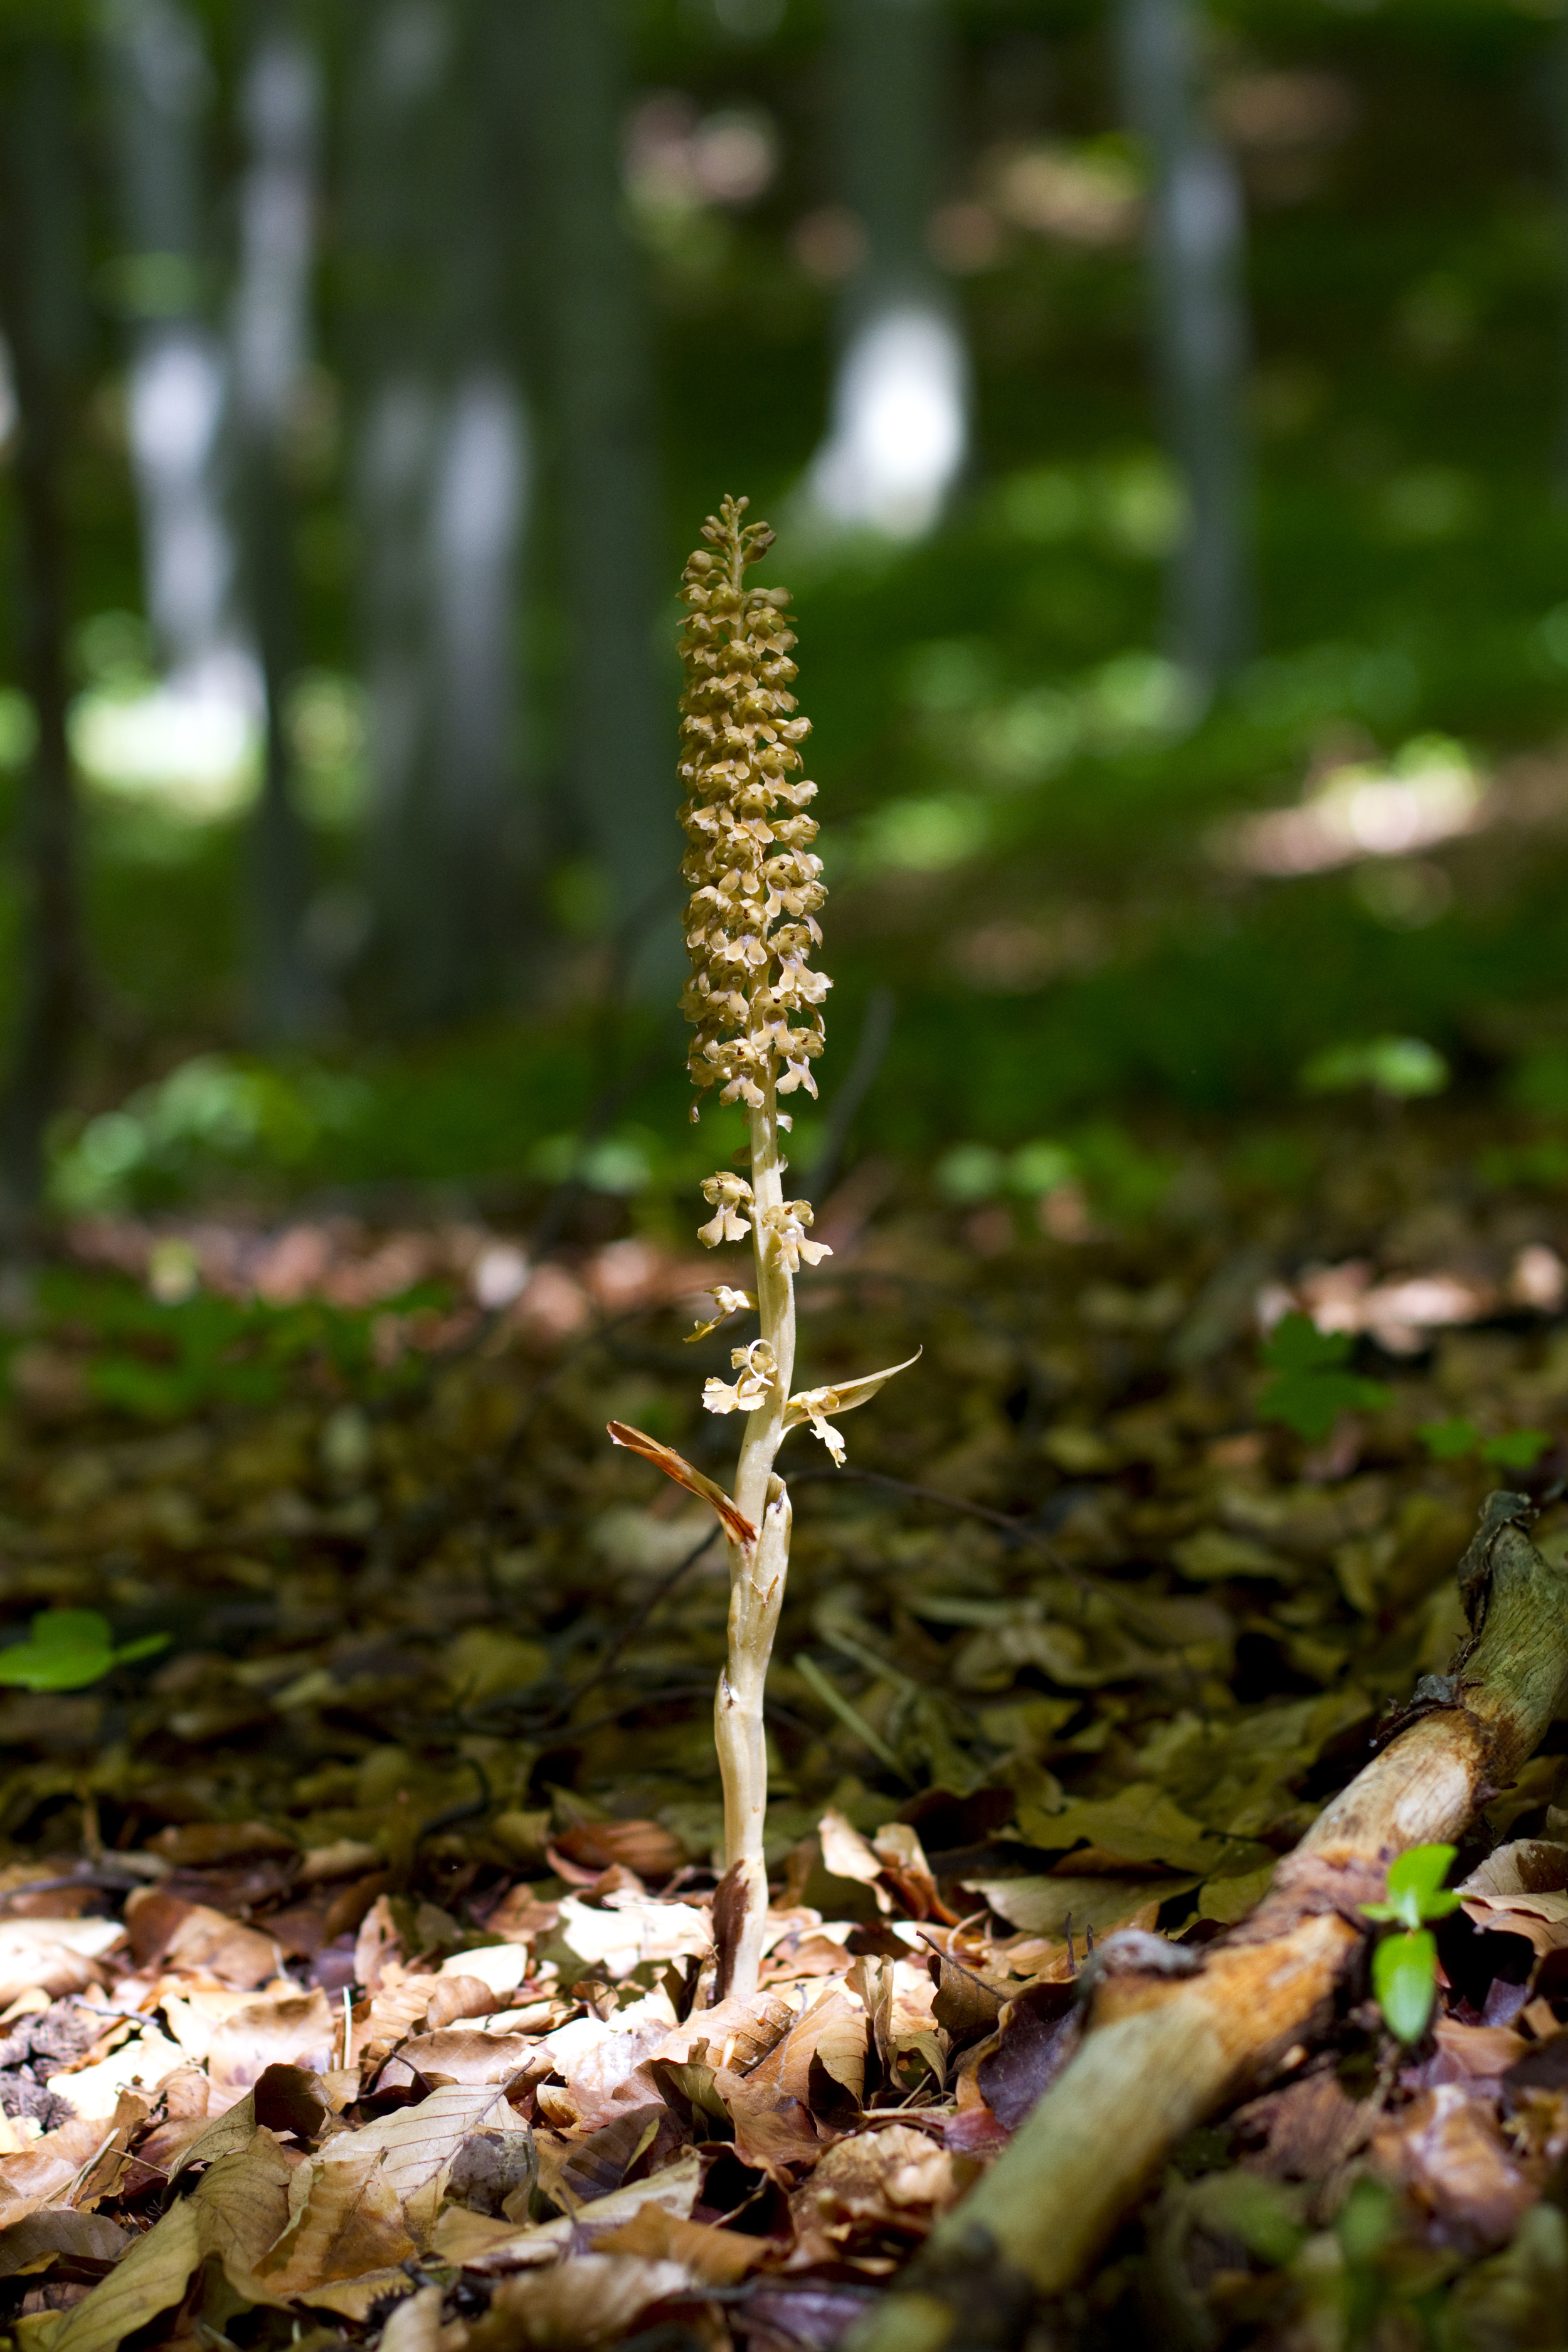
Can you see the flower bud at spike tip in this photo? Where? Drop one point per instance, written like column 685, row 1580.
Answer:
column 755, row 886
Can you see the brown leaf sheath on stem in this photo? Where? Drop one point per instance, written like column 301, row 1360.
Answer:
column 1163, row 2053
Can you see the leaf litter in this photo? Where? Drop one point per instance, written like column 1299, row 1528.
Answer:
column 356, row 1936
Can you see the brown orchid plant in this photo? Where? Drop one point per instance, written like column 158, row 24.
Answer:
column 753, row 1000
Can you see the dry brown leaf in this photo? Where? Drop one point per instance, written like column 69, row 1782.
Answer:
column 459, row 2055
column 147, row 2058
column 586, row 2300
column 719, row 2257
column 477, row 2242
column 1447, row 2152
column 282, row 2029
column 150, row 2278
column 352, row 2222
column 197, row 1845
column 457, row 1997
column 59, row 2229
column 45, row 2172
column 190, row 1936
column 882, row 2176
column 57, row 1957
column 832, row 2018
column 1046, row 1906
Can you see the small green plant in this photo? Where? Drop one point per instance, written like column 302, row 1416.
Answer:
column 1311, row 1387
column 1449, row 1441
column 1404, row 1967
column 1398, row 1068
column 65, row 1649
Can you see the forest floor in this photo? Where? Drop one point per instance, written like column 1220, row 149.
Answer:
column 355, row 1947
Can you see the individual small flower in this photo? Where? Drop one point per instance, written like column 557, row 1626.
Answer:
column 816, row 1405
column 759, row 1377
column 786, row 1226
column 728, row 1301
column 726, row 1195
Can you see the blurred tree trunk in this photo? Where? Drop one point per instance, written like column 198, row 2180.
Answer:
column 158, row 85
column 41, row 300
column 279, row 106
column 1194, row 240
column 440, row 491
column 617, row 748
column 899, row 431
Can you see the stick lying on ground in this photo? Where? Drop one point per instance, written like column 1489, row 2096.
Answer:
column 1164, row 2051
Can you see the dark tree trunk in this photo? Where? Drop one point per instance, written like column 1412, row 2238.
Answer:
column 617, row 750
column 1195, row 236
column 440, row 491
column 40, row 283
column 899, row 429
column 280, row 105
column 158, row 84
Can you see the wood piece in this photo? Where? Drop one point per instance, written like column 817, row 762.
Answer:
column 1163, row 2054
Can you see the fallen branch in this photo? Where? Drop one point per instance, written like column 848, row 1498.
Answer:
column 1164, row 2051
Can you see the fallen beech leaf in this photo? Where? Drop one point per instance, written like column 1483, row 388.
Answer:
column 475, row 2242
column 631, row 1929
column 53, row 1956
column 720, row 2256
column 282, row 2029
column 457, row 1997
column 1479, row 2049
column 189, row 1936
column 414, row 2325
column 1541, row 1919
column 46, row 2172
column 286, row 2098
column 150, row 2278
column 1446, row 2151
column 353, row 2221
column 60, row 2229
column 846, row 1855
column 491, row 2169
column 149, row 2059
column 197, row 1845
column 502, row 1967
column 880, row 2176
column 587, row 2299
column 646, row 1847
column 1141, row 1824
column 786, row 2069
column 1037, row 2035
column 459, row 2055
column 1045, row 1905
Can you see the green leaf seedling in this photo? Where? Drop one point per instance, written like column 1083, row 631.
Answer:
column 66, row 1649
column 1404, row 1967
column 1311, row 1387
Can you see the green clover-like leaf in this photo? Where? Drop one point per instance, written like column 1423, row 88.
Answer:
column 1446, row 1441
column 1521, row 1449
column 1296, row 1345
column 1404, row 1979
column 66, row 1649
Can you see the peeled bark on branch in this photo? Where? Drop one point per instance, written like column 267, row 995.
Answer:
column 1164, row 2052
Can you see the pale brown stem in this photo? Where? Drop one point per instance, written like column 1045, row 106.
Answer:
column 1164, row 2054
column 756, row 1586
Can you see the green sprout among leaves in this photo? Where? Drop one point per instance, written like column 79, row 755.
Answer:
column 65, row 1649
column 1404, row 1967
column 1449, row 1441
column 1311, row 1387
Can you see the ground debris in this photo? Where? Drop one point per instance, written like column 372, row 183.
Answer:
column 356, row 1950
